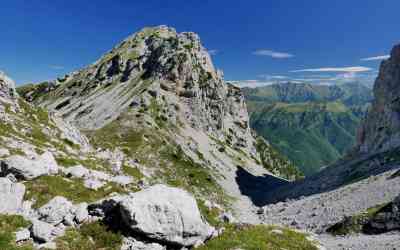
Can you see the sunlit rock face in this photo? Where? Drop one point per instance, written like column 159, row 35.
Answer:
column 381, row 129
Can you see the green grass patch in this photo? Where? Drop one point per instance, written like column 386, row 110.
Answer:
column 258, row 237
column 90, row 236
column 45, row 188
column 132, row 171
column 9, row 224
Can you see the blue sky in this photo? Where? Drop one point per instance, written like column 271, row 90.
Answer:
column 257, row 41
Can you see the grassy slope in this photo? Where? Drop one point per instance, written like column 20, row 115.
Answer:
column 259, row 237
column 310, row 135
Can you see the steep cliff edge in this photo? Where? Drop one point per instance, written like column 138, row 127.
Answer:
column 381, row 129
column 378, row 141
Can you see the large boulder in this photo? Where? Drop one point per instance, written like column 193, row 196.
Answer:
column 11, row 196
column 45, row 232
column 28, row 169
column 57, row 210
column 165, row 214
column 386, row 219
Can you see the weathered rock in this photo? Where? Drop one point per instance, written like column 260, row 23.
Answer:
column 56, row 210
column 81, row 213
column 47, row 159
column 122, row 180
column 386, row 219
column 165, row 214
column 380, row 130
column 44, row 232
column 7, row 88
column 94, row 184
column 28, row 169
column 132, row 244
column 11, row 196
column 22, row 167
column 78, row 171
column 22, row 235
column 4, row 152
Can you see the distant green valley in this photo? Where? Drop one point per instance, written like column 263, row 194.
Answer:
column 313, row 125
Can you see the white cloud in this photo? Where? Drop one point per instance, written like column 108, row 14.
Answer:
column 273, row 54
column 270, row 77
column 251, row 83
column 376, row 58
column 57, row 67
column 213, row 52
column 343, row 69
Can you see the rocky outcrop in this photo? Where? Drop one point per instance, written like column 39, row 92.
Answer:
column 57, row 210
column 11, row 196
column 386, row 219
column 7, row 89
column 165, row 214
column 45, row 232
column 381, row 129
column 132, row 244
column 29, row 169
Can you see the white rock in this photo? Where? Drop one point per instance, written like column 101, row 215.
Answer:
column 78, row 171
column 11, row 196
column 43, row 231
column 22, row 235
column 93, row 184
column 132, row 244
column 94, row 174
column 48, row 160
column 56, row 210
column 166, row 214
column 23, row 168
column 4, row 152
column 29, row 169
column 122, row 180
column 81, row 213
column 48, row 245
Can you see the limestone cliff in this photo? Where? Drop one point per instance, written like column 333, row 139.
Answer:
column 380, row 130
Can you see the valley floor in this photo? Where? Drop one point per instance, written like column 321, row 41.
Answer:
column 316, row 213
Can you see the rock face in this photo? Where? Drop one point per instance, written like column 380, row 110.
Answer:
column 386, row 219
column 57, row 210
column 165, row 214
column 7, row 89
column 11, row 196
column 29, row 169
column 155, row 63
column 381, row 129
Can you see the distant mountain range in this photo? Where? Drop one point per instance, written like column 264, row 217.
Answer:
column 313, row 125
